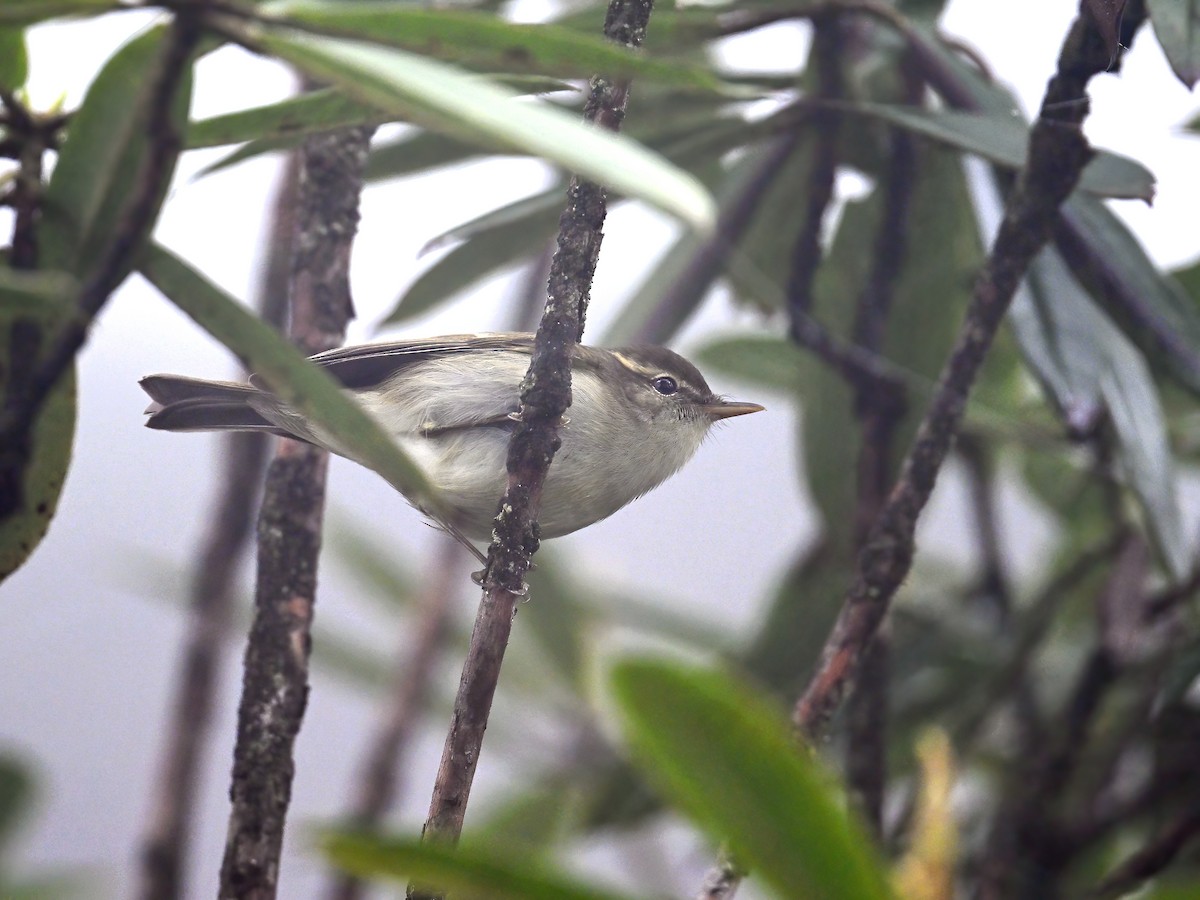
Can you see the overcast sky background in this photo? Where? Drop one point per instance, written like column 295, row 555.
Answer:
column 90, row 653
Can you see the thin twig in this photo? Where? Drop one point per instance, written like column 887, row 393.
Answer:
column 165, row 844
column 1058, row 152
column 545, row 396
column 275, row 684
column 1150, row 859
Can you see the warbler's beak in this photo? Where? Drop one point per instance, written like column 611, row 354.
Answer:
column 727, row 409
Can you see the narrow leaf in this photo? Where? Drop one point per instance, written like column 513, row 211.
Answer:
column 1177, row 27
column 316, row 111
column 466, row 873
column 27, row 12
column 101, row 158
column 1150, row 305
column 32, row 307
column 1004, row 139
column 300, row 384
column 1087, row 366
column 484, row 253
column 14, row 62
column 485, row 42
column 470, row 107
column 727, row 759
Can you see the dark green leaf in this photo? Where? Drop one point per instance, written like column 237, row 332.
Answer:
column 301, row 385
column 1150, row 305
column 16, row 795
column 417, row 152
column 26, row 12
column 485, row 42
column 486, row 252
column 14, row 63
column 728, row 759
column 1087, row 366
column 1177, row 27
column 1003, row 138
column 466, row 873
column 102, row 157
column 317, row 111
column 437, row 96
column 32, row 307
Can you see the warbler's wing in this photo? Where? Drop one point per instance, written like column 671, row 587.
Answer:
column 370, row 365
column 458, row 382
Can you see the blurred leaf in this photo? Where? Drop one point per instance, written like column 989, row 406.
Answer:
column 32, row 307
column 417, row 152
column 1086, row 363
column 374, row 564
column 16, row 797
column 438, row 96
column 465, row 872
column 1177, row 27
column 309, row 113
column 484, row 41
column 534, row 818
column 1003, row 138
column 728, row 759
column 487, row 251
column 515, row 213
column 14, row 62
column 926, row 871
column 26, row 12
column 101, row 159
column 1150, row 305
column 773, row 363
column 301, row 385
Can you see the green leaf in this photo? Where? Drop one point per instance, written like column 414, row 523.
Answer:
column 416, row 152
column 485, row 42
column 1151, row 306
column 466, row 873
column 316, row 111
column 27, row 12
column 726, row 757
column 14, row 61
column 16, row 797
column 493, row 241
column 469, row 107
column 1003, row 138
column 301, row 385
column 102, row 156
column 1088, row 365
column 1177, row 27
column 32, row 307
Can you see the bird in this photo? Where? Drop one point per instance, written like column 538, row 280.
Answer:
column 451, row 403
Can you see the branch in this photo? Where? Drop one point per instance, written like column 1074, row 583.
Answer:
column 1058, row 152
column 163, row 144
column 275, row 683
column 545, row 396
column 165, row 844
column 1151, row 859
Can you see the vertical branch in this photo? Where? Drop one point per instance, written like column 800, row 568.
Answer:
column 275, row 684
column 545, row 396
column 165, row 844
column 1057, row 153
column 879, row 406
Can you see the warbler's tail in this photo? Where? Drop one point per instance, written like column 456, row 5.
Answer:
column 192, row 404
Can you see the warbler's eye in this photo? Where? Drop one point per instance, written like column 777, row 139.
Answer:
column 665, row 385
